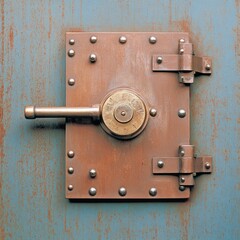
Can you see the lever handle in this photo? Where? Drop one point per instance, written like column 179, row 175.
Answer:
column 32, row 112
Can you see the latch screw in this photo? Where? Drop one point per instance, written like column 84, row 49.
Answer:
column 153, row 192
column 122, row 39
column 181, row 188
column 70, row 154
column 122, row 191
column 182, row 40
column 70, row 170
column 93, row 39
column 92, row 191
column 207, row 165
column 70, row 187
column 92, row 173
column 160, row 164
column 159, row 60
column 93, row 58
column 208, row 67
column 182, row 179
column 152, row 40
column 181, row 51
column 71, row 53
column 71, row 41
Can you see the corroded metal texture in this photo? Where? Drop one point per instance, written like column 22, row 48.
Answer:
column 32, row 65
column 124, row 163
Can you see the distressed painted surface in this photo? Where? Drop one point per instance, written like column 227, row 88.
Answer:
column 32, row 65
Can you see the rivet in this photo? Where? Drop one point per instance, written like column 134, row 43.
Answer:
column 160, row 164
column 93, row 58
column 122, row 39
column 153, row 192
column 70, row 170
column 92, row 173
column 181, row 188
column 93, row 39
column 70, row 154
column 92, row 191
column 71, row 41
column 153, row 112
column 181, row 51
column 71, row 53
column 182, row 152
column 159, row 60
column 71, row 81
column 182, row 40
column 181, row 113
column 194, row 174
column 70, row 187
column 182, row 179
column 152, row 40
column 122, row 191
column 208, row 67
column 207, row 165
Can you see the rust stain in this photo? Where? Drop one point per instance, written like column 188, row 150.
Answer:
column 50, row 23
column 11, row 37
column 63, row 8
column 184, row 215
column 237, row 32
column 2, row 32
column 2, row 134
column 2, row 130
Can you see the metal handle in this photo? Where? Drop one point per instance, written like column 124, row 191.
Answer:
column 32, row 112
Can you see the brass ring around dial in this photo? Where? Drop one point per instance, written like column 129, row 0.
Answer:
column 124, row 114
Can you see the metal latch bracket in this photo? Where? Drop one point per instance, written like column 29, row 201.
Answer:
column 186, row 166
column 184, row 62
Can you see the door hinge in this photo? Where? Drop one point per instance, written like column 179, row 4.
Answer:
column 186, row 165
column 184, row 62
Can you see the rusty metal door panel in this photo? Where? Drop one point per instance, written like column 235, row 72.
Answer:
column 32, row 69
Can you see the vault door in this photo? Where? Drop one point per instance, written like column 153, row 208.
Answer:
column 127, row 115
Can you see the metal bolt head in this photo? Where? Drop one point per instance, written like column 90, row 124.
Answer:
column 93, row 58
column 181, row 51
column 153, row 112
column 92, row 173
column 182, row 179
column 159, row 60
column 70, row 187
column 181, row 113
column 122, row 191
column 181, row 188
column 160, row 164
column 92, row 191
column 70, row 154
column 208, row 67
column 71, row 53
column 152, row 40
column 153, row 192
column 70, row 170
column 71, row 41
column 122, row 39
column 181, row 152
column 207, row 165
column 71, row 81
column 194, row 174
column 93, row 39
column 182, row 40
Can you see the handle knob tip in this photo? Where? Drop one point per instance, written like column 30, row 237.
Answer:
column 29, row 112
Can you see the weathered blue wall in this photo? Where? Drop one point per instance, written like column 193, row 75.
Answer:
column 32, row 71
